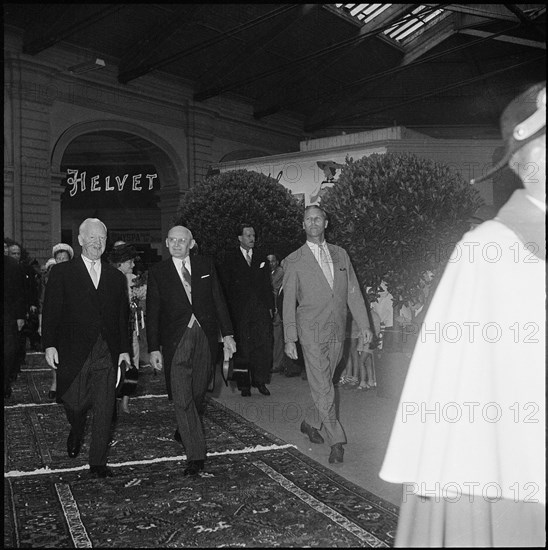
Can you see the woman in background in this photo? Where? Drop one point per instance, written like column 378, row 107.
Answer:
column 123, row 257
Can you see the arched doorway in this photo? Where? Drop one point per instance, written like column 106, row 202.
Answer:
column 123, row 175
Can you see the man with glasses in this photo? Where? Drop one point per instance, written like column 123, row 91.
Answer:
column 84, row 332
column 185, row 310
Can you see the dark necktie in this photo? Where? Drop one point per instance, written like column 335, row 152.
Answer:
column 248, row 257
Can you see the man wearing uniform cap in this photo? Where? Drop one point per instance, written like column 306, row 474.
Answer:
column 468, row 441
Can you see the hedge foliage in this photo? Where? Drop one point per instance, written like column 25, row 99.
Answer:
column 214, row 208
column 398, row 215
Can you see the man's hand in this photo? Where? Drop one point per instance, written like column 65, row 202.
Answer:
column 367, row 336
column 229, row 346
column 156, row 360
column 20, row 324
column 291, row 350
column 124, row 357
column 52, row 358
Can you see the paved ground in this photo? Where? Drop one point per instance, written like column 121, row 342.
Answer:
column 366, row 418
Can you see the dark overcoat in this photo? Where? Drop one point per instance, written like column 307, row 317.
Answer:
column 169, row 310
column 75, row 313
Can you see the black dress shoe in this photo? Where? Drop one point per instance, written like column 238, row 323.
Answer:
column 193, row 467
column 263, row 389
column 314, row 435
column 100, row 471
column 52, row 394
column 177, row 436
column 336, row 454
column 73, row 445
column 246, row 392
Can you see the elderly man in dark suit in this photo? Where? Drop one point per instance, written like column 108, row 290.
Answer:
column 84, row 331
column 246, row 280
column 185, row 310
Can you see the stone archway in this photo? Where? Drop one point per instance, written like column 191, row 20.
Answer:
column 140, row 141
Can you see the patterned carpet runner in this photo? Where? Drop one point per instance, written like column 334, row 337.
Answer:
column 256, row 490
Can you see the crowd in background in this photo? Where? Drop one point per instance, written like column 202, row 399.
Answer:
column 355, row 370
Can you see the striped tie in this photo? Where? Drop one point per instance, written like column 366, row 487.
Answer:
column 186, row 279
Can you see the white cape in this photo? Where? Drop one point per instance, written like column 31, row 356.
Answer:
column 471, row 418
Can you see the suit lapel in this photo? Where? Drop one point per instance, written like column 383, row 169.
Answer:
column 83, row 274
column 105, row 276
column 338, row 272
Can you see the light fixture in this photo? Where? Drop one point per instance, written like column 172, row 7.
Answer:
column 87, row 66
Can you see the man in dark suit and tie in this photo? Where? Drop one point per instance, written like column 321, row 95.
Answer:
column 248, row 288
column 185, row 310
column 319, row 285
column 84, row 331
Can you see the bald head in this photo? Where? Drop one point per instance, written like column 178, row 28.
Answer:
column 179, row 241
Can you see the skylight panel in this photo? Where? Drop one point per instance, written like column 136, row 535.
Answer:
column 401, row 30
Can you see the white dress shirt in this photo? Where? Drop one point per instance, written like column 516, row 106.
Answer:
column 246, row 252
column 97, row 266
column 315, row 248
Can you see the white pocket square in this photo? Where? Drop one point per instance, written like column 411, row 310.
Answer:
column 262, row 265
column 204, row 276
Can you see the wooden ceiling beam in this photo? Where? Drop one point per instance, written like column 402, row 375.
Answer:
column 256, row 45
column 361, row 91
column 506, row 38
column 489, row 11
column 148, row 67
column 528, row 23
column 51, row 34
column 385, row 20
column 430, row 37
column 137, row 54
column 312, row 127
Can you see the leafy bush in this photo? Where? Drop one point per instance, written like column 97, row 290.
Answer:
column 214, row 208
column 398, row 215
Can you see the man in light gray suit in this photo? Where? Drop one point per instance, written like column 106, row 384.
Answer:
column 319, row 285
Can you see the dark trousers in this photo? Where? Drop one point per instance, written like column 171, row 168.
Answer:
column 94, row 388
column 255, row 347
column 191, row 370
column 11, row 346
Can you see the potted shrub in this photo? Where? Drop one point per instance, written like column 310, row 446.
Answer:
column 214, row 208
column 397, row 215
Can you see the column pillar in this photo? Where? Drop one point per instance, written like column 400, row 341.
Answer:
column 56, row 191
column 202, row 126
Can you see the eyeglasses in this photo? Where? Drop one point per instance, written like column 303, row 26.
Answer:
column 174, row 241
